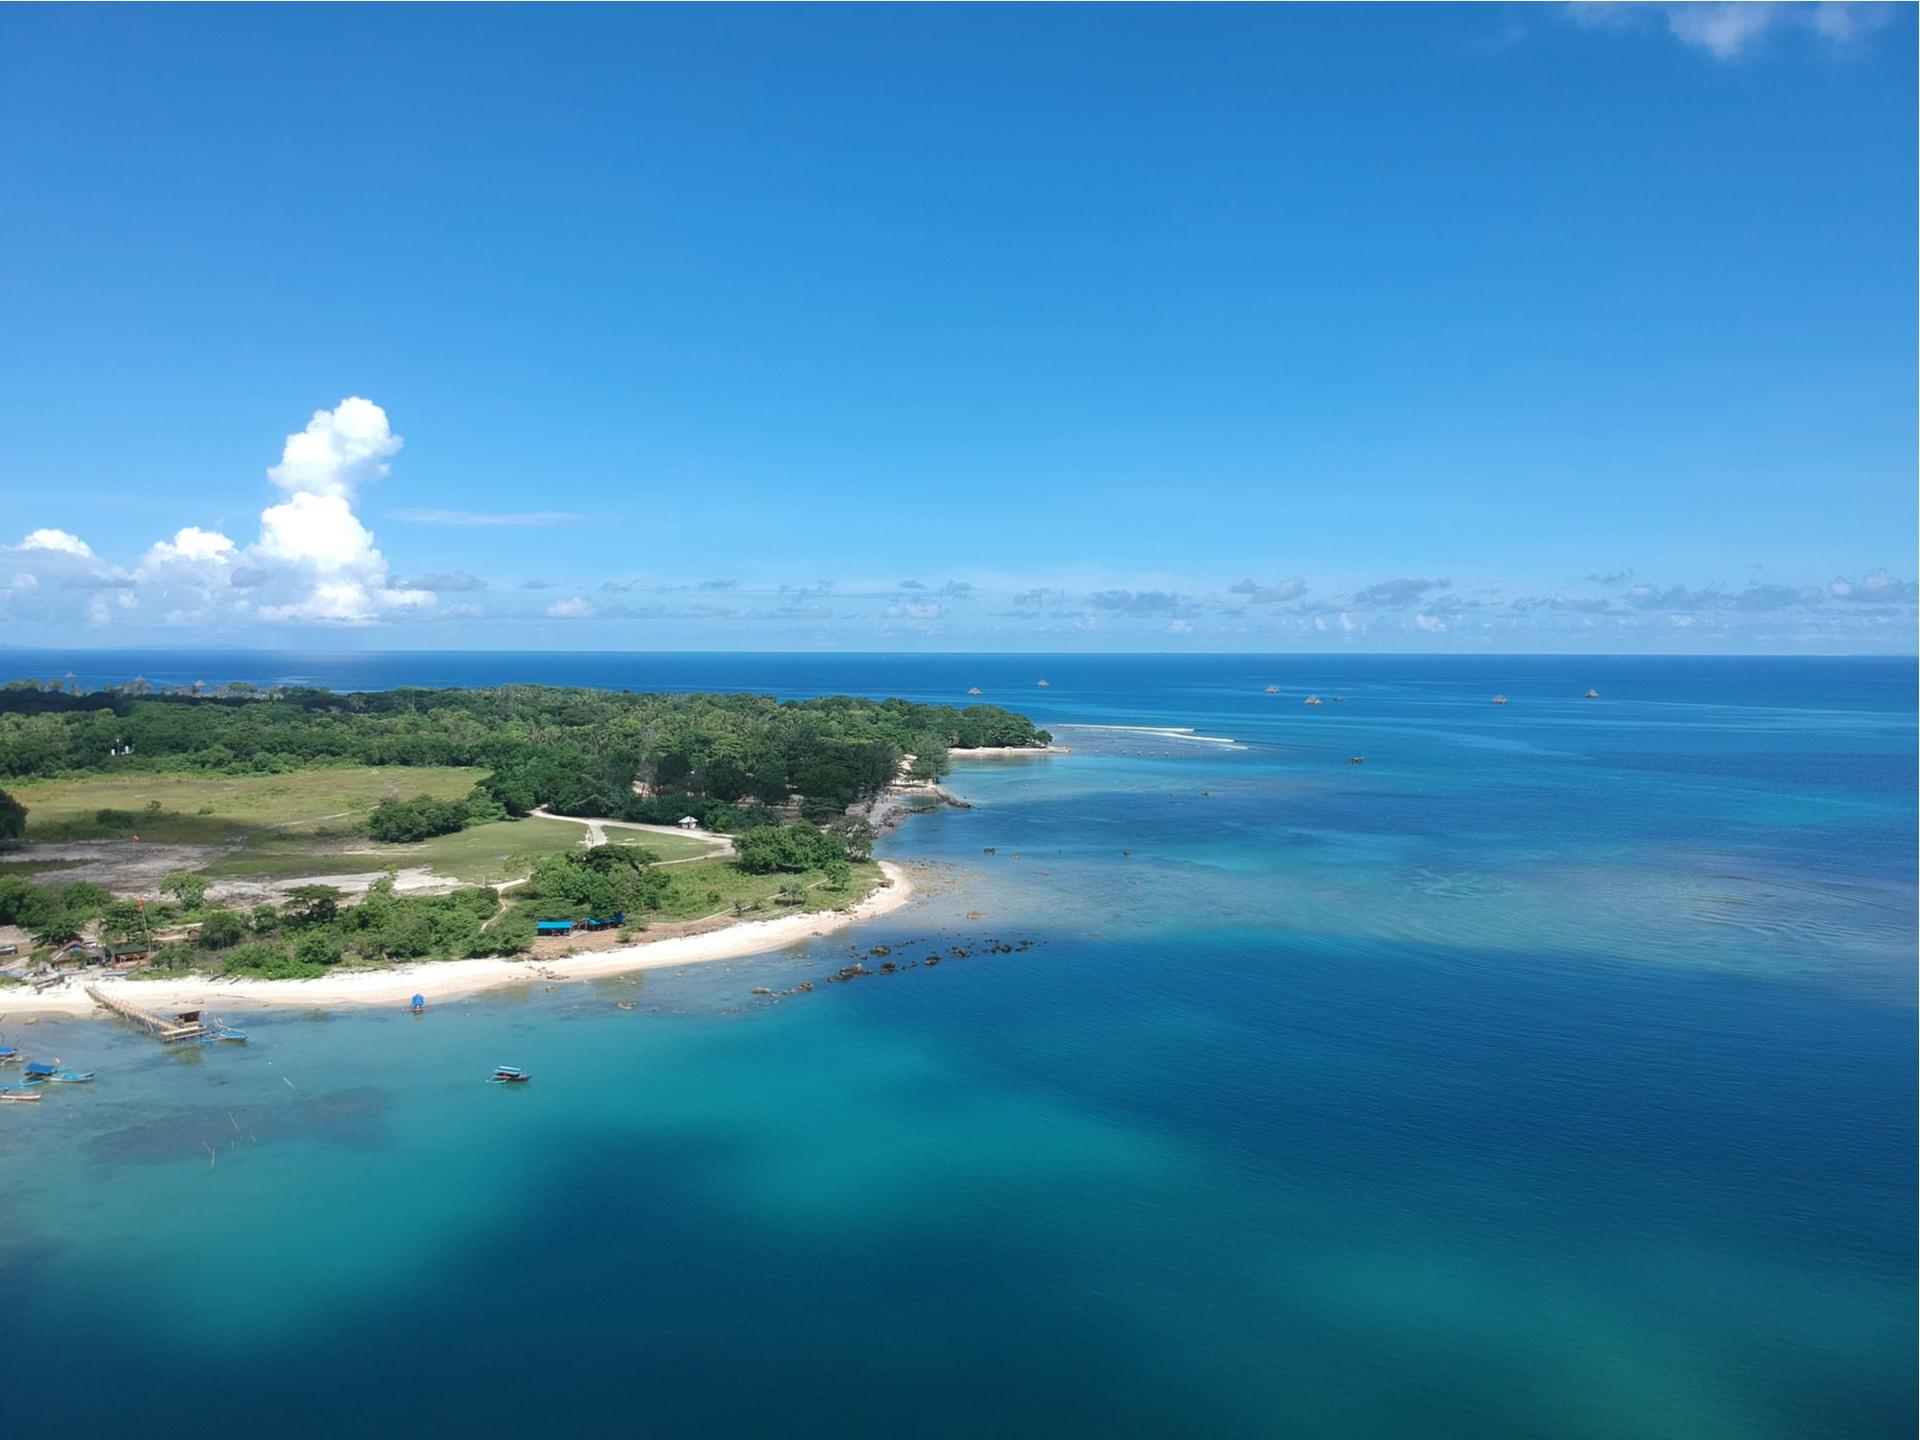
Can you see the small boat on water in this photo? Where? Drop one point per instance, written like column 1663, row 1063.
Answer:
column 1499, row 699
column 1356, row 760
column 38, row 1071
column 9, row 1055
column 13, row 1094
column 1273, row 689
column 418, row 1004
column 1313, row 700
column 72, row 1077
column 974, row 691
column 509, row 1075
column 1044, row 684
column 1593, row 694
column 225, row 1036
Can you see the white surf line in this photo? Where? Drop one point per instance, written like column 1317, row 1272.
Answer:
column 1169, row 732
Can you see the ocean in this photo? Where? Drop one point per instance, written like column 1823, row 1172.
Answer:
column 1550, row 1073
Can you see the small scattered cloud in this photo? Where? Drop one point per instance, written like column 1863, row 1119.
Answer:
column 1180, row 627
column 1876, row 587
column 1730, row 30
column 1394, row 594
column 912, row 585
column 1037, row 598
column 917, row 610
column 526, row 519
column 1612, row 577
column 1137, row 602
column 1431, row 624
column 1277, row 593
column 450, row 582
column 536, row 585
column 957, row 589
column 718, row 585
column 575, row 609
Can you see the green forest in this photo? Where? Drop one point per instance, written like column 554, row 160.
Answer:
column 628, row 756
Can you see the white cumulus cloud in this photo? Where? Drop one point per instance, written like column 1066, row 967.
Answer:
column 340, row 450
column 56, row 540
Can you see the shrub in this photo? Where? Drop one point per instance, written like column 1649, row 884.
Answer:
column 221, row 928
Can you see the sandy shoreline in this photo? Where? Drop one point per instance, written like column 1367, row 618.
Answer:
column 441, row 980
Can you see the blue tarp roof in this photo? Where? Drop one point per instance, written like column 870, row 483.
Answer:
column 34, row 1067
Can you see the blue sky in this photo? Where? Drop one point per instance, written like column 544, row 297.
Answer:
column 1230, row 328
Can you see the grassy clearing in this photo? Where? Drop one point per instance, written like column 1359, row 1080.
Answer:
column 479, row 855
column 211, row 809
column 712, row 886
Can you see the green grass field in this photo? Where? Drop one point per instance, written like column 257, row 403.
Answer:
column 712, row 886
column 479, row 855
column 212, row 809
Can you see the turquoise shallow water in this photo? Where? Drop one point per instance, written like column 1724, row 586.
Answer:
column 1552, row 1073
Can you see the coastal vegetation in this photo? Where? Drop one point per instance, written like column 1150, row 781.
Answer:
column 576, row 751
column 255, row 792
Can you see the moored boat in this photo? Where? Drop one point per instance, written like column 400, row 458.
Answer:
column 71, row 1077
column 14, row 1094
column 509, row 1075
column 38, row 1071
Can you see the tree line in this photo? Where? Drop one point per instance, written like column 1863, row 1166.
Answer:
column 576, row 751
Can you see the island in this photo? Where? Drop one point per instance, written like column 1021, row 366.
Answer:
column 304, row 843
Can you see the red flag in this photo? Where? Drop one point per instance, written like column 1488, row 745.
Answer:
column 143, row 904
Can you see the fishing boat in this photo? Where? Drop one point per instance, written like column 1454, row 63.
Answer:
column 1044, row 684
column 509, row 1075
column 1313, row 700
column 1593, row 694
column 224, row 1036
column 38, row 1071
column 1273, row 689
column 418, row 1004
column 975, row 690
column 1356, row 760
column 15, row 1095
column 9, row 1055
column 71, row 1077
column 1499, row 699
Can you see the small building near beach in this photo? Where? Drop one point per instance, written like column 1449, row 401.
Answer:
column 687, row 822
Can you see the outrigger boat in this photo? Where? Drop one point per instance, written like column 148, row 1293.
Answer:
column 509, row 1075
column 418, row 1004
column 9, row 1055
column 13, row 1094
column 39, row 1070
column 72, row 1077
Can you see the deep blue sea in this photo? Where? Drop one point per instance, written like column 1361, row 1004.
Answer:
column 1551, row 1073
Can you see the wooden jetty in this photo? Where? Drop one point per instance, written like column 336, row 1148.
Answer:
column 185, row 1026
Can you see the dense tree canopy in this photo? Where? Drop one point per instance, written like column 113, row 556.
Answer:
column 649, row 757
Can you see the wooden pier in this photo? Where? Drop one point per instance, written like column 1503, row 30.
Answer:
column 183, row 1027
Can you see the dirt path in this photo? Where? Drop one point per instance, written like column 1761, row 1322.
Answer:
column 597, row 834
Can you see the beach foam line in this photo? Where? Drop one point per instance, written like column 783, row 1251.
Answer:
column 1167, row 732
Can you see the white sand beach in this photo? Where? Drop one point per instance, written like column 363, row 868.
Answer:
column 450, row 979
